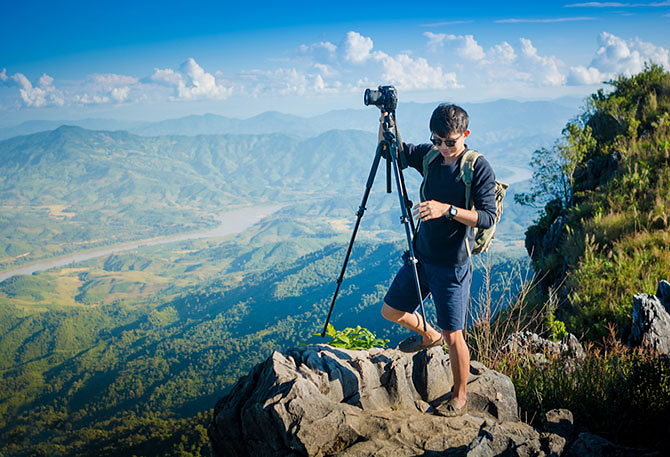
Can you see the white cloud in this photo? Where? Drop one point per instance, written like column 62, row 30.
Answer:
column 191, row 82
column 113, row 80
column 544, row 21
column 416, row 73
column 502, row 53
column 166, row 76
column 440, row 24
column 435, row 40
column 618, row 56
column 324, row 69
column 287, row 81
column 501, row 63
column 39, row 96
column 468, row 47
column 585, row 75
column 616, row 5
column 323, row 52
column 356, row 56
column 357, row 47
column 471, row 49
column 90, row 99
column 545, row 70
column 120, row 94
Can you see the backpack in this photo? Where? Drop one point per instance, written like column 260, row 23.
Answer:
column 483, row 237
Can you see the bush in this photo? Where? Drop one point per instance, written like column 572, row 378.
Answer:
column 353, row 338
column 619, row 394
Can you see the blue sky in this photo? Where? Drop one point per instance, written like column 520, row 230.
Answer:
column 155, row 60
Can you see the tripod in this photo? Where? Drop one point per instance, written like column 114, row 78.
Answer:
column 389, row 148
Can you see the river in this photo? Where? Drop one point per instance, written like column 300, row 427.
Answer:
column 234, row 221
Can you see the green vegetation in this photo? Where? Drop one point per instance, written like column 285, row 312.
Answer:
column 353, row 338
column 601, row 238
column 619, row 394
column 604, row 235
column 77, row 378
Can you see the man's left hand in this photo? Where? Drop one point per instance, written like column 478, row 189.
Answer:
column 430, row 210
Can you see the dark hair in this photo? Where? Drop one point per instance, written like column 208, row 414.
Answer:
column 448, row 119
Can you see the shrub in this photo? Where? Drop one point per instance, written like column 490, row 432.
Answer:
column 353, row 338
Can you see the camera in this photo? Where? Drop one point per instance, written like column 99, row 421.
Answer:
column 385, row 98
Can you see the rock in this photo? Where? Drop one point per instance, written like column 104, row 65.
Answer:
column 531, row 343
column 560, row 422
column 559, row 429
column 520, row 439
column 509, row 438
column 589, row 445
column 651, row 322
column 323, row 401
column 554, row 236
column 663, row 294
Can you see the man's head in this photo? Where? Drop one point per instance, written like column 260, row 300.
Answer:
column 448, row 119
column 449, row 129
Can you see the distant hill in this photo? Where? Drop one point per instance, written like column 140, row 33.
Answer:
column 71, row 375
column 491, row 122
column 70, row 186
column 28, row 127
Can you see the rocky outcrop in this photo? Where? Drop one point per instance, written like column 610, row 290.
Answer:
column 323, row 401
column 590, row 445
column 651, row 319
column 538, row 347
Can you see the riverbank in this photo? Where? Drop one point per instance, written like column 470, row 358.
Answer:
column 232, row 222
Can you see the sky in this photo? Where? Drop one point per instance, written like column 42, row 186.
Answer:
column 148, row 60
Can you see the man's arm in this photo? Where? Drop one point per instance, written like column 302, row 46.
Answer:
column 432, row 209
column 483, row 196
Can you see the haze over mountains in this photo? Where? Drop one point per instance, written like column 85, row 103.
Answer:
column 72, row 188
column 491, row 121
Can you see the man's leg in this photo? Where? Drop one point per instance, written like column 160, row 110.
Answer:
column 459, row 356
column 412, row 321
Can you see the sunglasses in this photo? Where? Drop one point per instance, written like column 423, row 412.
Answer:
column 448, row 143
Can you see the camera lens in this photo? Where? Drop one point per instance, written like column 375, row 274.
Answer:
column 373, row 97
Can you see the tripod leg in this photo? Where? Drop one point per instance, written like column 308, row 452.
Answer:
column 359, row 214
column 406, row 219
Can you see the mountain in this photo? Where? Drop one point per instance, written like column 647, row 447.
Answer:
column 74, row 373
column 71, row 186
column 28, row 127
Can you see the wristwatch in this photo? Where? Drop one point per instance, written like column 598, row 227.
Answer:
column 452, row 212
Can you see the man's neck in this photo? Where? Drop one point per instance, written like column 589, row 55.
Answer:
column 451, row 158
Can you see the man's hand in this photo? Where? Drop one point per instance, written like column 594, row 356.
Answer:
column 430, row 210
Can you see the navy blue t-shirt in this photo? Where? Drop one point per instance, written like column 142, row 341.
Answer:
column 441, row 241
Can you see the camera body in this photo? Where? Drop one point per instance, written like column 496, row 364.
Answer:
column 385, row 98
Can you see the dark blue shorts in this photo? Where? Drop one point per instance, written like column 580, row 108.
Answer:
column 450, row 287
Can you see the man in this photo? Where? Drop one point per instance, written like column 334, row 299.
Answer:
column 444, row 263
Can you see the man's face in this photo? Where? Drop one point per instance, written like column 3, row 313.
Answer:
column 452, row 144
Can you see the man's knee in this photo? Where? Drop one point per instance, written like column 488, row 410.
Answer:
column 391, row 314
column 453, row 337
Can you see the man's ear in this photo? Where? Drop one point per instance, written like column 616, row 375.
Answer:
column 466, row 133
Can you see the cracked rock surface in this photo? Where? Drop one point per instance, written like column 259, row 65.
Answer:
column 323, row 401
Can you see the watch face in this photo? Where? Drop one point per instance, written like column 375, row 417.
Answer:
column 453, row 211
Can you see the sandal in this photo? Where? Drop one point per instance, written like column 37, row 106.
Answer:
column 413, row 344
column 450, row 408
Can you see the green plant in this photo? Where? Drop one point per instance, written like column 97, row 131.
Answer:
column 353, row 338
column 556, row 328
column 618, row 393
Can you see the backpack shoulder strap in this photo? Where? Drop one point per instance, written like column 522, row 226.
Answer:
column 427, row 160
column 467, row 170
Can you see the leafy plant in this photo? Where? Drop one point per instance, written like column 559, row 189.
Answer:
column 353, row 338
